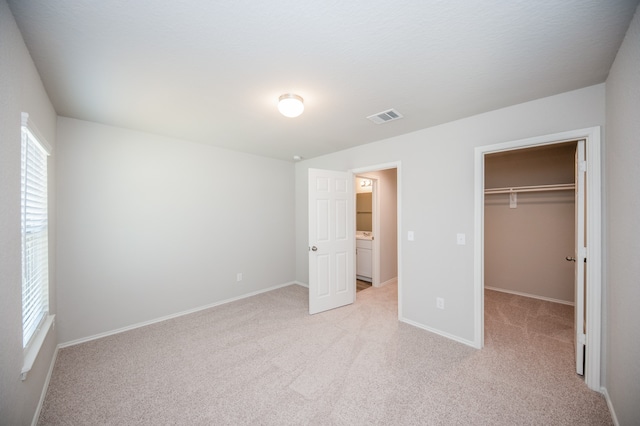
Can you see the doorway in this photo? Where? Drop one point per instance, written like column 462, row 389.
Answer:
column 383, row 222
column 365, row 190
column 332, row 234
column 592, row 226
column 530, row 221
column 377, row 226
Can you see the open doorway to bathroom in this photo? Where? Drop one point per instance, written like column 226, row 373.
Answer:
column 364, row 231
column 376, row 227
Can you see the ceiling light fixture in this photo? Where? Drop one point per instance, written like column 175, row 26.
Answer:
column 290, row 105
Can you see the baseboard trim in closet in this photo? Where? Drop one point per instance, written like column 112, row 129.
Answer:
column 533, row 296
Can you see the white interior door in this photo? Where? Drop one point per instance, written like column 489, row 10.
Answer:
column 331, row 240
column 580, row 255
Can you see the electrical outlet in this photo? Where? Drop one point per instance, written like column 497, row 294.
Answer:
column 239, row 277
column 440, row 302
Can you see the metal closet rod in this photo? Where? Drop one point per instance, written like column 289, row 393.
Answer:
column 534, row 188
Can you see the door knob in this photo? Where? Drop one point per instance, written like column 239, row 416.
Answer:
column 314, row 248
column 570, row 259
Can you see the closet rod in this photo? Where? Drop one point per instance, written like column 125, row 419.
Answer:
column 534, row 188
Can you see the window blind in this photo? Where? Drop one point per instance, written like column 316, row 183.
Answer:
column 35, row 230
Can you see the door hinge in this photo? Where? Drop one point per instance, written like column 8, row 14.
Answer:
column 583, row 252
column 583, row 166
column 582, row 339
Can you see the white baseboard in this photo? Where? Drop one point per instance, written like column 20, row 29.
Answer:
column 167, row 317
column 45, row 387
column 440, row 333
column 301, row 284
column 533, row 296
column 604, row 392
column 392, row 280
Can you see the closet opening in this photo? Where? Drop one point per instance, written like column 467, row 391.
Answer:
column 533, row 223
column 589, row 166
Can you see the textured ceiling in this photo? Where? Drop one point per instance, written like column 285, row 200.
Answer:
column 212, row 72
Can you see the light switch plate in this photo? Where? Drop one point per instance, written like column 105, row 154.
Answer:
column 410, row 236
column 461, row 239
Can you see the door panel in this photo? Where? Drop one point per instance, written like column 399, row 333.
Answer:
column 342, row 280
column 323, row 276
column 322, row 221
column 331, row 240
column 341, row 220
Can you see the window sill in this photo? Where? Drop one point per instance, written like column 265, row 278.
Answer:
column 31, row 352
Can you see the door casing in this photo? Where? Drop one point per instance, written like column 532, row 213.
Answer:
column 593, row 277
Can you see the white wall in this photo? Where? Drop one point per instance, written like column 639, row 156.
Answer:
column 437, row 196
column 622, row 280
column 21, row 90
column 151, row 226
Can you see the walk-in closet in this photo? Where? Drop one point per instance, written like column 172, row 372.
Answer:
column 529, row 221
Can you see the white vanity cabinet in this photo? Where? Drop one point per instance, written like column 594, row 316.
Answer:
column 363, row 259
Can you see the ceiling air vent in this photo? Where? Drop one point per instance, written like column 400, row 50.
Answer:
column 385, row 116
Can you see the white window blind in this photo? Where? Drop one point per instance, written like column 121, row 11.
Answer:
column 35, row 233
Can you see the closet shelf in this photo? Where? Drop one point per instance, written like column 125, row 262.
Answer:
column 534, row 188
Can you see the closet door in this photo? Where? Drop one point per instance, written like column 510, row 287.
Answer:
column 580, row 258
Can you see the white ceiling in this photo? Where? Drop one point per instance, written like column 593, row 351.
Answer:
column 212, row 71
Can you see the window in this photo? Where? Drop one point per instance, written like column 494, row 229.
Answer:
column 35, row 242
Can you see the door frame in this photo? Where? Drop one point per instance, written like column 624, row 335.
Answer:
column 593, row 212
column 376, row 222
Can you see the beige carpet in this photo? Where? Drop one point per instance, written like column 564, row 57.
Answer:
column 265, row 361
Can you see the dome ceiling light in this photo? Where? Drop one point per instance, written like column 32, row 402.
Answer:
column 290, row 105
